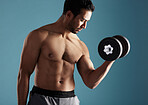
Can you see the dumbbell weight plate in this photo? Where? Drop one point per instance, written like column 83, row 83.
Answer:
column 125, row 45
column 110, row 49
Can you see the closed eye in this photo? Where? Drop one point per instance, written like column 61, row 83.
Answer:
column 82, row 20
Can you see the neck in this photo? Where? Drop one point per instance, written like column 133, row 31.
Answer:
column 61, row 25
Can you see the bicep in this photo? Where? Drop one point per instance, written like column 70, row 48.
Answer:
column 85, row 66
column 29, row 55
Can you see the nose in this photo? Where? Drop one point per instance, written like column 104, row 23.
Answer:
column 84, row 25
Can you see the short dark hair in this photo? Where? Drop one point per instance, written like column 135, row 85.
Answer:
column 75, row 6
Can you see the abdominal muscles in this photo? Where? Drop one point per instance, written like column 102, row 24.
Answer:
column 54, row 75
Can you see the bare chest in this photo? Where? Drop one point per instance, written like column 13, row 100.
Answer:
column 58, row 49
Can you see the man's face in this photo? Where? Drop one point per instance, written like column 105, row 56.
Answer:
column 80, row 21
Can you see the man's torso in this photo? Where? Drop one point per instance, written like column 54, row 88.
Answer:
column 56, row 61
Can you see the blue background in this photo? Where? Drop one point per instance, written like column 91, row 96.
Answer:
column 126, row 82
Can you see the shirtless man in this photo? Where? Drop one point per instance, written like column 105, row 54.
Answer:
column 52, row 52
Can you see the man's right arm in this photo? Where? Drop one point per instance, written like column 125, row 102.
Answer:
column 29, row 57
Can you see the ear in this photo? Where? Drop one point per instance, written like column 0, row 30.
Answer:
column 69, row 15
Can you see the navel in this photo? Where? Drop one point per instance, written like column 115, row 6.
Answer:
column 50, row 55
column 61, row 82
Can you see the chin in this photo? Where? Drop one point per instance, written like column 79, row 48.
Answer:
column 75, row 31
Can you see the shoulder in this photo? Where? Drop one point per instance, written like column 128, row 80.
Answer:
column 84, row 48
column 82, row 45
column 37, row 35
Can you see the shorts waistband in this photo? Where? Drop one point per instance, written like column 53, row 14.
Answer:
column 51, row 93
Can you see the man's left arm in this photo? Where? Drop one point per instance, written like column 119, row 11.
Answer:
column 91, row 76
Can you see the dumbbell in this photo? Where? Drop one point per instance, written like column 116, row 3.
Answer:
column 112, row 48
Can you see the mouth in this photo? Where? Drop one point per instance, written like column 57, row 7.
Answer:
column 79, row 29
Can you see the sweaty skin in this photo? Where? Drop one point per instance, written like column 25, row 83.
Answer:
column 52, row 52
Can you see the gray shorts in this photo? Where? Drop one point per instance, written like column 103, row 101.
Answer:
column 40, row 96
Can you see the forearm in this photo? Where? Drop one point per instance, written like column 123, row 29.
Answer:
column 22, row 89
column 96, row 76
